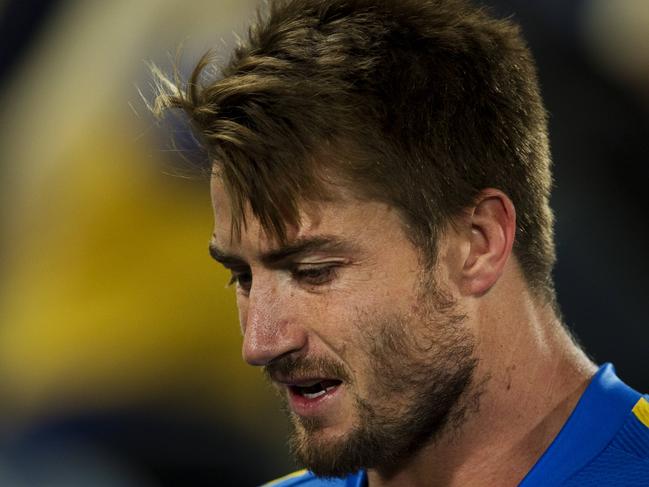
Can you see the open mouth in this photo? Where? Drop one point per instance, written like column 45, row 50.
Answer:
column 315, row 390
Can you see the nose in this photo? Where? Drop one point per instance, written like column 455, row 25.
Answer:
column 270, row 322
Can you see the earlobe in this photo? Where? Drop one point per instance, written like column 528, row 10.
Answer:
column 491, row 239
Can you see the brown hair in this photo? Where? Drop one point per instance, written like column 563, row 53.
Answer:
column 417, row 103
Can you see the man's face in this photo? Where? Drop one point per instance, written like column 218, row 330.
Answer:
column 368, row 350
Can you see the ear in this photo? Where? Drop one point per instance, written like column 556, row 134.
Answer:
column 492, row 229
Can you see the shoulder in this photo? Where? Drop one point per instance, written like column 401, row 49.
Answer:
column 304, row 478
column 633, row 437
column 605, row 441
column 641, row 411
column 625, row 461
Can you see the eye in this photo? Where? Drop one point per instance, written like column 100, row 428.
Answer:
column 315, row 275
column 243, row 279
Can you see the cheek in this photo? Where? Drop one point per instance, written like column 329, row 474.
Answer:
column 333, row 328
column 350, row 329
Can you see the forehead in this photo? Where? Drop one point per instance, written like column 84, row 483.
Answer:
column 348, row 218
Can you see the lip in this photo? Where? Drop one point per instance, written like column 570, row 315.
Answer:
column 311, row 407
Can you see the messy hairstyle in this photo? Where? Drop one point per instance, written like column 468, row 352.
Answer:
column 420, row 104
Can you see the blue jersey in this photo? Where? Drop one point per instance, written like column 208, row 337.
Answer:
column 604, row 442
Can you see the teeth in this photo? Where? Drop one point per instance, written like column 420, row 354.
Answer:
column 315, row 394
column 321, row 392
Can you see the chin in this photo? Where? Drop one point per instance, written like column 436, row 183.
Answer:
column 323, row 446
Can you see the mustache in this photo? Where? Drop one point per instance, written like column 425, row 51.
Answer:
column 291, row 367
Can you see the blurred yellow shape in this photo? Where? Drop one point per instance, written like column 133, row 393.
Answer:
column 112, row 296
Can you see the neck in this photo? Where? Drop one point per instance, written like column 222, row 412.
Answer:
column 529, row 379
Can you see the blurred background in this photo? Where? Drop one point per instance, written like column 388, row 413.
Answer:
column 119, row 343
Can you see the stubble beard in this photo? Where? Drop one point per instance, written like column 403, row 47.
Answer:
column 418, row 391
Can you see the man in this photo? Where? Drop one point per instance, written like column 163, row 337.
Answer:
column 380, row 182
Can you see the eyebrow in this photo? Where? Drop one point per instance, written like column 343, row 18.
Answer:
column 297, row 248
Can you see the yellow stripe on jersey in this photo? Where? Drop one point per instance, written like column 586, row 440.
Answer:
column 641, row 411
column 289, row 476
